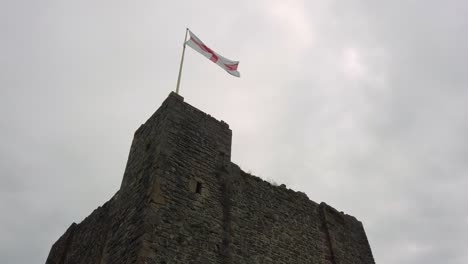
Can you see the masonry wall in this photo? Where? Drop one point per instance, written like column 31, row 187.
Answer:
column 115, row 232
column 182, row 200
column 274, row 225
column 346, row 235
column 184, row 221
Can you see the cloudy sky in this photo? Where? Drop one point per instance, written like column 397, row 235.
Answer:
column 357, row 103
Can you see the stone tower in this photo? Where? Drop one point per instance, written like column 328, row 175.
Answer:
column 182, row 200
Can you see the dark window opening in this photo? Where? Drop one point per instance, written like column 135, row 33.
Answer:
column 198, row 188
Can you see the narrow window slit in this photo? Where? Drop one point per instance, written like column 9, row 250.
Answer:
column 198, row 188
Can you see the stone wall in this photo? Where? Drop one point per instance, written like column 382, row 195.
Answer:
column 346, row 237
column 182, row 200
column 274, row 225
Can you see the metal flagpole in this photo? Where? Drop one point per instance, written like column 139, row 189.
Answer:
column 181, row 62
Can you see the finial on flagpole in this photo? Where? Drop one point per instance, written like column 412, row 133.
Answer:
column 181, row 62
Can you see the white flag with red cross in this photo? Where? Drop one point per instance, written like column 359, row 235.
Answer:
column 228, row 65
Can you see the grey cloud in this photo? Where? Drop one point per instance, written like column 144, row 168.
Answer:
column 360, row 104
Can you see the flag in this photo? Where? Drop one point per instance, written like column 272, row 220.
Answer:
column 228, row 65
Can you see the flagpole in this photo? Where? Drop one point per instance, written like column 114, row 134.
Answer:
column 181, row 62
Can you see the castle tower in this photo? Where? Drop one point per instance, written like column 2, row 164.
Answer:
column 182, row 200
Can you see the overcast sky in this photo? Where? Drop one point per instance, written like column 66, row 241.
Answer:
column 360, row 104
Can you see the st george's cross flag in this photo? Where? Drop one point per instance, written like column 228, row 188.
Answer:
column 228, row 65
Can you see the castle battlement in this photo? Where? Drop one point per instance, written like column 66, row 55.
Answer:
column 182, row 200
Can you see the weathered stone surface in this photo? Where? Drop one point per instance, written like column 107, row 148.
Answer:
column 182, row 200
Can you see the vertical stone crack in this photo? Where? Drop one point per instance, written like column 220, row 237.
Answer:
column 324, row 226
column 226, row 191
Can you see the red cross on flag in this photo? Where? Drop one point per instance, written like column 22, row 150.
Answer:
column 228, row 65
